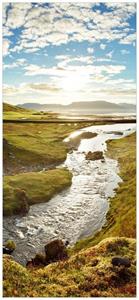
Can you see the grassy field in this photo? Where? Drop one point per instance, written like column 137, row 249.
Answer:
column 121, row 217
column 32, row 146
column 22, row 190
column 86, row 274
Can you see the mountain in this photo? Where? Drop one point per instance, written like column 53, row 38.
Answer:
column 85, row 106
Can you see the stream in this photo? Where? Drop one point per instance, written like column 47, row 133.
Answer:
column 78, row 211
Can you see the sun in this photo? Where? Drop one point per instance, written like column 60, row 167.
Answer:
column 73, row 82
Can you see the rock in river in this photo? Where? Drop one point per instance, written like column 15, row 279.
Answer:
column 94, row 155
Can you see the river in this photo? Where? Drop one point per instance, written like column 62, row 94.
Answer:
column 78, row 211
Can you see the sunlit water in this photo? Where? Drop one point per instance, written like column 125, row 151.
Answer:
column 79, row 210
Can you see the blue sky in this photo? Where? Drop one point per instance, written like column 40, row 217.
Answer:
column 66, row 52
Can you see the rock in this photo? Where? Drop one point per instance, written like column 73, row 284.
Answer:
column 115, row 132
column 7, row 251
column 38, row 260
column 94, row 262
column 66, row 243
column 103, row 160
column 29, row 263
column 121, row 261
column 23, row 199
column 55, row 250
column 94, row 155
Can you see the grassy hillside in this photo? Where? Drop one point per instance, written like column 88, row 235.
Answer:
column 11, row 112
column 29, row 147
column 22, row 190
column 121, row 217
column 89, row 273
column 11, row 108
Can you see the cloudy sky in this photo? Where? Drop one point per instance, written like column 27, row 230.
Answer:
column 66, row 52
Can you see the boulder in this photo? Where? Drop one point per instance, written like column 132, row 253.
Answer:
column 23, row 200
column 121, row 261
column 55, row 250
column 94, row 155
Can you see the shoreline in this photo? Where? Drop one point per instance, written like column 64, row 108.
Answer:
column 101, row 120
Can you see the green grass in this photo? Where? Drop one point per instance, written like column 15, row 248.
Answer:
column 121, row 217
column 11, row 112
column 15, row 109
column 30, row 188
column 33, row 146
column 86, row 274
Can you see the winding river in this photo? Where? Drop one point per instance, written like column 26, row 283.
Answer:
column 78, row 211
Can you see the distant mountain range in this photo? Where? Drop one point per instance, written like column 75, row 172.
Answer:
column 86, row 106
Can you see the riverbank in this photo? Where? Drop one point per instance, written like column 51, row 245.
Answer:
column 32, row 147
column 121, row 217
column 25, row 189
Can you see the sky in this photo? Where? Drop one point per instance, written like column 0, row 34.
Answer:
column 68, row 52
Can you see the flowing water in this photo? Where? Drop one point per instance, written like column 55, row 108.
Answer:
column 78, row 211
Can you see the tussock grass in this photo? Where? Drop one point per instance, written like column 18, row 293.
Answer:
column 86, row 274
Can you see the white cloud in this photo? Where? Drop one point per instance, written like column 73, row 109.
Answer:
column 59, row 23
column 30, row 88
column 6, row 32
column 103, row 46
column 110, row 54
column 129, row 39
column 66, row 60
column 60, row 70
column 17, row 14
column 21, row 62
column 6, row 45
column 9, row 90
column 42, row 87
column 90, row 50
column 48, row 25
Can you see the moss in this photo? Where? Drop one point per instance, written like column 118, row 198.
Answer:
column 26, row 189
column 121, row 217
column 88, row 273
column 10, row 245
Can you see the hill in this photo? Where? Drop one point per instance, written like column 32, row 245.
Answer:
column 91, row 106
column 11, row 108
